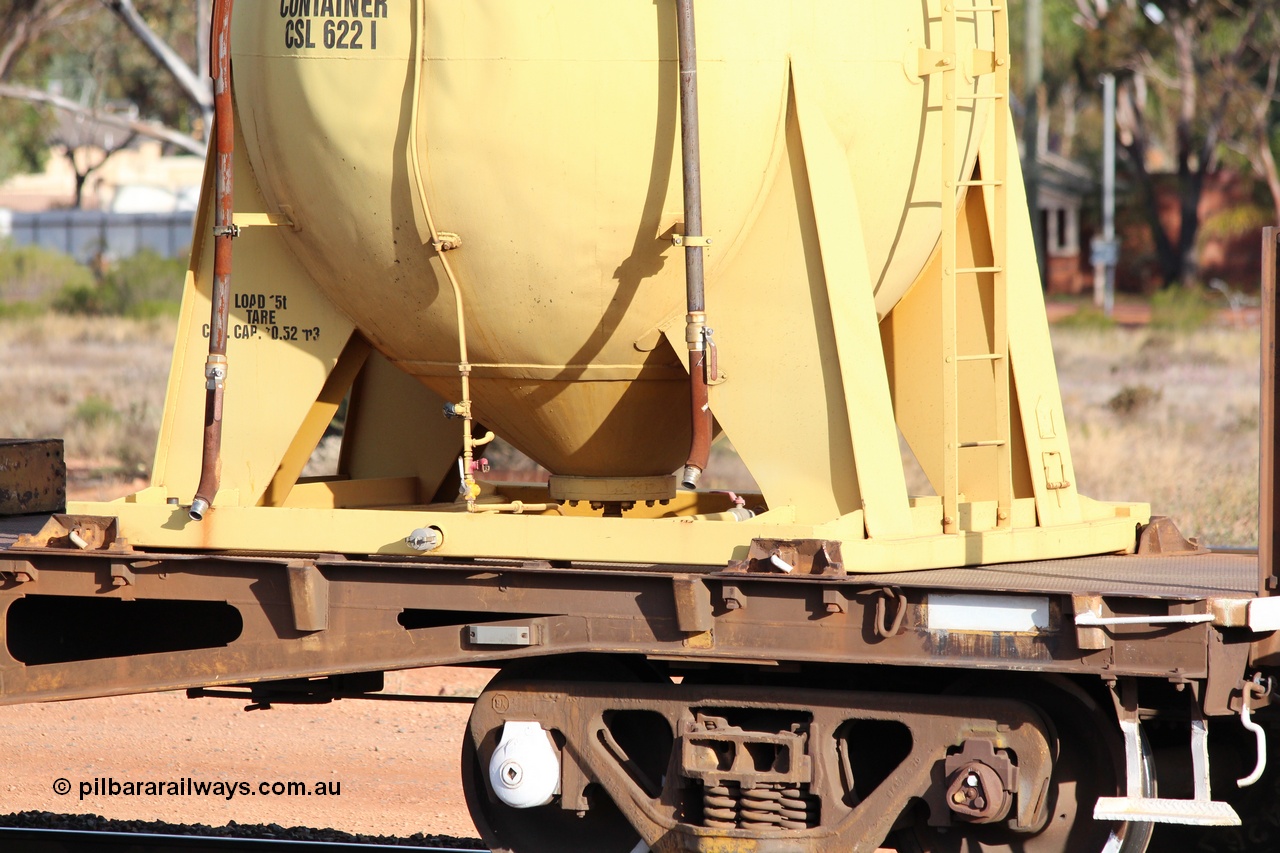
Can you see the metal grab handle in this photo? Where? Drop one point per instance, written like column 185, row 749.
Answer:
column 883, row 628
column 1246, row 720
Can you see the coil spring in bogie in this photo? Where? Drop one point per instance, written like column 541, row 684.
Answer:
column 799, row 809
column 720, row 806
column 764, row 807
column 761, row 808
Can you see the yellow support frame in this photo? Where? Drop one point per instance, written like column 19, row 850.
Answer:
column 824, row 370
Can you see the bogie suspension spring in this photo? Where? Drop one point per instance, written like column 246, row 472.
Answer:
column 763, row 807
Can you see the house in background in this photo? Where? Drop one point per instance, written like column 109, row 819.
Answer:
column 137, row 179
column 139, row 198
column 1064, row 186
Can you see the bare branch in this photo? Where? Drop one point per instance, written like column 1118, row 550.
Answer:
column 1087, row 14
column 22, row 24
column 1147, row 65
column 1263, row 105
column 142, row 128
column 1219, row 113
column 197, row 90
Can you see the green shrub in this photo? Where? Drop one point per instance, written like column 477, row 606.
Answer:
column 20, row 310
column 135, row 445
column 36, row 276
column 1181, row 309
column 1087, row 317
column 1134, row 398
column 93, row 411
column 146, row 285
column 24, row 138
column 145, row 282
column 85, row 299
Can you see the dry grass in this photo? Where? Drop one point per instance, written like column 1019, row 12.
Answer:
column 1169, row 420
column 1153, row 417
column 97, row 382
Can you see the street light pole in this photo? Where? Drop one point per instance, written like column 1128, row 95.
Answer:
column 1031, row 129
column 1106, row 251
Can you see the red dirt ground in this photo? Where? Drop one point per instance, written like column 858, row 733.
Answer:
column 397, row 762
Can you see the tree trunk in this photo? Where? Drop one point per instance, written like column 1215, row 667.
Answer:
column 81, row 178
column 1190, row 188
column 1069, row 96
column 204, row 21
column 1267, row 162
column 1133, row 141
column 1264, row 158
column 199, row 91
column 1190, row 181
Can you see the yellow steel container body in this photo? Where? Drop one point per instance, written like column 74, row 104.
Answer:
column 547, row 138
column 861, row 290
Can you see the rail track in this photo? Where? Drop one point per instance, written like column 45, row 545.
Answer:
column 84, row 841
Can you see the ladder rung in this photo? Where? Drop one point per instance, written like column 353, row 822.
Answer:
column 986, row 356
column 979, row 183
column 993, row 443
column 979, row 9
column 995, row 96
column 966, row 270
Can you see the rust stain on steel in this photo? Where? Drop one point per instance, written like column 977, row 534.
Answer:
column 33, row 476
column 989, row 645
column 805, row 729
column 582, row 610
column 1162, row 538
column 216, row 367
column 791, row 556
column 1269, row 468
column 75, row 533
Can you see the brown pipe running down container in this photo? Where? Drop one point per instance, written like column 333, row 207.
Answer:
column 224, row 230
column 700, row 443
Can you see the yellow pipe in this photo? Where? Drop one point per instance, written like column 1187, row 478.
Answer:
column 517, row 507
column 442, row 243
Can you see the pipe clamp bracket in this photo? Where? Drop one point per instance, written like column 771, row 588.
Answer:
column 446, row 241
column 689, row 241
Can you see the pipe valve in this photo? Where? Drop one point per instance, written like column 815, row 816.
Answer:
column 215, row 372
column 694, row 330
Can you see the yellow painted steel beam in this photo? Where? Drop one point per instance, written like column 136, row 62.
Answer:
column 1035, row 376
column 312, row 429
column 353, row 494
column 654, row 541
column 853, row 317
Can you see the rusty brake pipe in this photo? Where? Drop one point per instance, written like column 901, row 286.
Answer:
column 224, row 231
column 696, row 321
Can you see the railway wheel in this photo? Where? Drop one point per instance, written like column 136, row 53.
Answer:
column 545, row 828
column 1088, row 763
